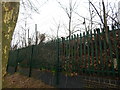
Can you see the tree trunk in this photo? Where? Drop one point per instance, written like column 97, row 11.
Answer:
column 105, row 22
column 69, row 26
column 10, row 12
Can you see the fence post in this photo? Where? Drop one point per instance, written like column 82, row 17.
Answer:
column 16, row 61
column 30, row 69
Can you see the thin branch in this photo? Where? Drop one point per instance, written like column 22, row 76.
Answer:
column 97, row 11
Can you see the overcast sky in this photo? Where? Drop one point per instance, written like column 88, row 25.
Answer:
column 51, row 14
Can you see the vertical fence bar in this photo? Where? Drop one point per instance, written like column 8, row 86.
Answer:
column 100, row 45
column 68, row 50
column 66, row 59
column 106, row 56
column 74, row 67
column 75, row 52
column 72, row 54
column 58, row 63
column 60, row 54
column 67, row 54
column 63, row 53
column 88, row 51
column 92, row 51
column 96, row 50
column 30, row 68
column 80, row 51
column 116, row 51
column 118, row 55
column 84, row 42
column 66, row 72
column 111, row 52
column 16, row 61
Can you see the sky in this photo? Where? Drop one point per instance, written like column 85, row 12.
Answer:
column 51, row 15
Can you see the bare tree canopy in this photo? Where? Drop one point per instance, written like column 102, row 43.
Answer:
column 69, row 10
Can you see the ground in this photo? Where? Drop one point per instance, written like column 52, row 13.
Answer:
column 20, row 81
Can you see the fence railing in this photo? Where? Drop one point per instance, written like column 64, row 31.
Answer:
column 86, row 53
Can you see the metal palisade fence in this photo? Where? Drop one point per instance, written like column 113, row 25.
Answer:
column 85, row 53
column 90, row 53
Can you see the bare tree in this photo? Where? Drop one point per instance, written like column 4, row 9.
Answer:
column 90, row 15
column 69, row 11
column 104, row 20
column 96, row 11
column 27, row 8
column 57, row 27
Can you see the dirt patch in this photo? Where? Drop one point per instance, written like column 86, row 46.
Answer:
column 19, row 81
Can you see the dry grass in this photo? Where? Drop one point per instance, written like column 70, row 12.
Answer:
column 19, row 81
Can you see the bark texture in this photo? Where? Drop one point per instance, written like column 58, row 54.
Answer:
column 10, row 12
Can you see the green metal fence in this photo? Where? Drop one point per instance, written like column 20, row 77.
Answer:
column 84, row 53
column 90, row 53
column 41, row 56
